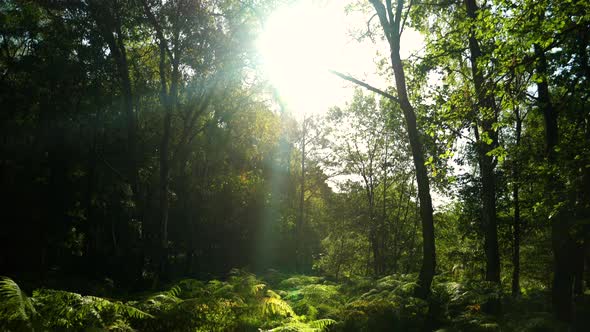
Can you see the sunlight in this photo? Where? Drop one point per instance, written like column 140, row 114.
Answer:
column 301, row 42
column 298, row 45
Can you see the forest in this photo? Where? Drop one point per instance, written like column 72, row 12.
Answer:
column 153, row 178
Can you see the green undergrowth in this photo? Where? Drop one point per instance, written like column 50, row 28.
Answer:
column 277, row 302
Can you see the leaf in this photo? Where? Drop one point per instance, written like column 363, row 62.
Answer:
column 322, row 323
column 272, row 306
column 18, row 305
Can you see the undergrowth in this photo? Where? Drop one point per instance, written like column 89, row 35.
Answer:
column 245, row 302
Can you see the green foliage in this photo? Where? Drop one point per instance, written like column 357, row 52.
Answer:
column 61, row 310
column 314, row 326
column 16, row 308
column 298, row 281
column 389, row 303
column 87, row 85
column 245, row 303
column 72, row 311
column 316, row 300
column 242, row 301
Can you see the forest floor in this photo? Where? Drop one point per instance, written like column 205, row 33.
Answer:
column 283, row 302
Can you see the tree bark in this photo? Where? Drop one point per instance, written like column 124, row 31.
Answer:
column 516, row 225
column 426, row 211
column 485, row 104
column 382, row 230
column 300, row 243
column 485, row 116
column 391, row 25
column 561, row 239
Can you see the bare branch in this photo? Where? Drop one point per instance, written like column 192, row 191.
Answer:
column 369, row 32
column 406, row 18
column 365, row 85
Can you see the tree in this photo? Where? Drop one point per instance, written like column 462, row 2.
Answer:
column 366, row 148
column 393, row 25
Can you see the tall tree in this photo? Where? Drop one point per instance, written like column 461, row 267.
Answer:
column 392, row 24
column 486, row 141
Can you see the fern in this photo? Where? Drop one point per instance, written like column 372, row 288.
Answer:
column 119, row 325
column 14, row 303
column 61, row 309
column 296, row 326
column 321, row 324
column 299, row 281
column 275, row 306
column 271, row 293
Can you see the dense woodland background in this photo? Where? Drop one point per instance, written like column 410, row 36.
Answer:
column 141, row 146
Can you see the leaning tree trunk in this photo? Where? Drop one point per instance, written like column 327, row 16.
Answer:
column 391, row 25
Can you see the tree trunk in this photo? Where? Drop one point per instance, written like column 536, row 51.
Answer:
column 373, row 233
column 562, row 242
column 164, row 189
column 300, row 236
column 485, row 106
column 426, row 212
column 169, row 101
column 92, row 223
column 516, row 225
column 382, row 230
column 391, row 25
column 110, row 28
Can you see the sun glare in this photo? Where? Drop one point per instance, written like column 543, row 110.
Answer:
column 298, row 46
column 301, row 42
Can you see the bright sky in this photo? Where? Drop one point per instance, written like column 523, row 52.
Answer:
column 302, row 42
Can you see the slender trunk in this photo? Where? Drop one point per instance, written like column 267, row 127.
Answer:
column 169, row 101
column 578, row 270
column 561, row 240
column 92, row 227
column 426, row 212
column 485, row 107
column 373, row 232
column 163, row 195
column 412, row 241
column 399, row 224
column 382, row 230
column 516, row 245
column 108, row 21
column 516, row 225
column 131, row 123
column 300, row 245
column 392, row 25
column 165, row 166
column 109, row 25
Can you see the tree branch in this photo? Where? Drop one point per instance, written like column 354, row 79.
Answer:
column 365, row 85
column 382, row 13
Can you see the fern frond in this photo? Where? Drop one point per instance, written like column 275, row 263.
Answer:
column 16, row 305
column 292, row 327
column 119, row 325
column 164, row 298
column 273, row 306
column 271, row 293
column 175, row 291
column 257, row 288
column 321, row 324
column 130, row 311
